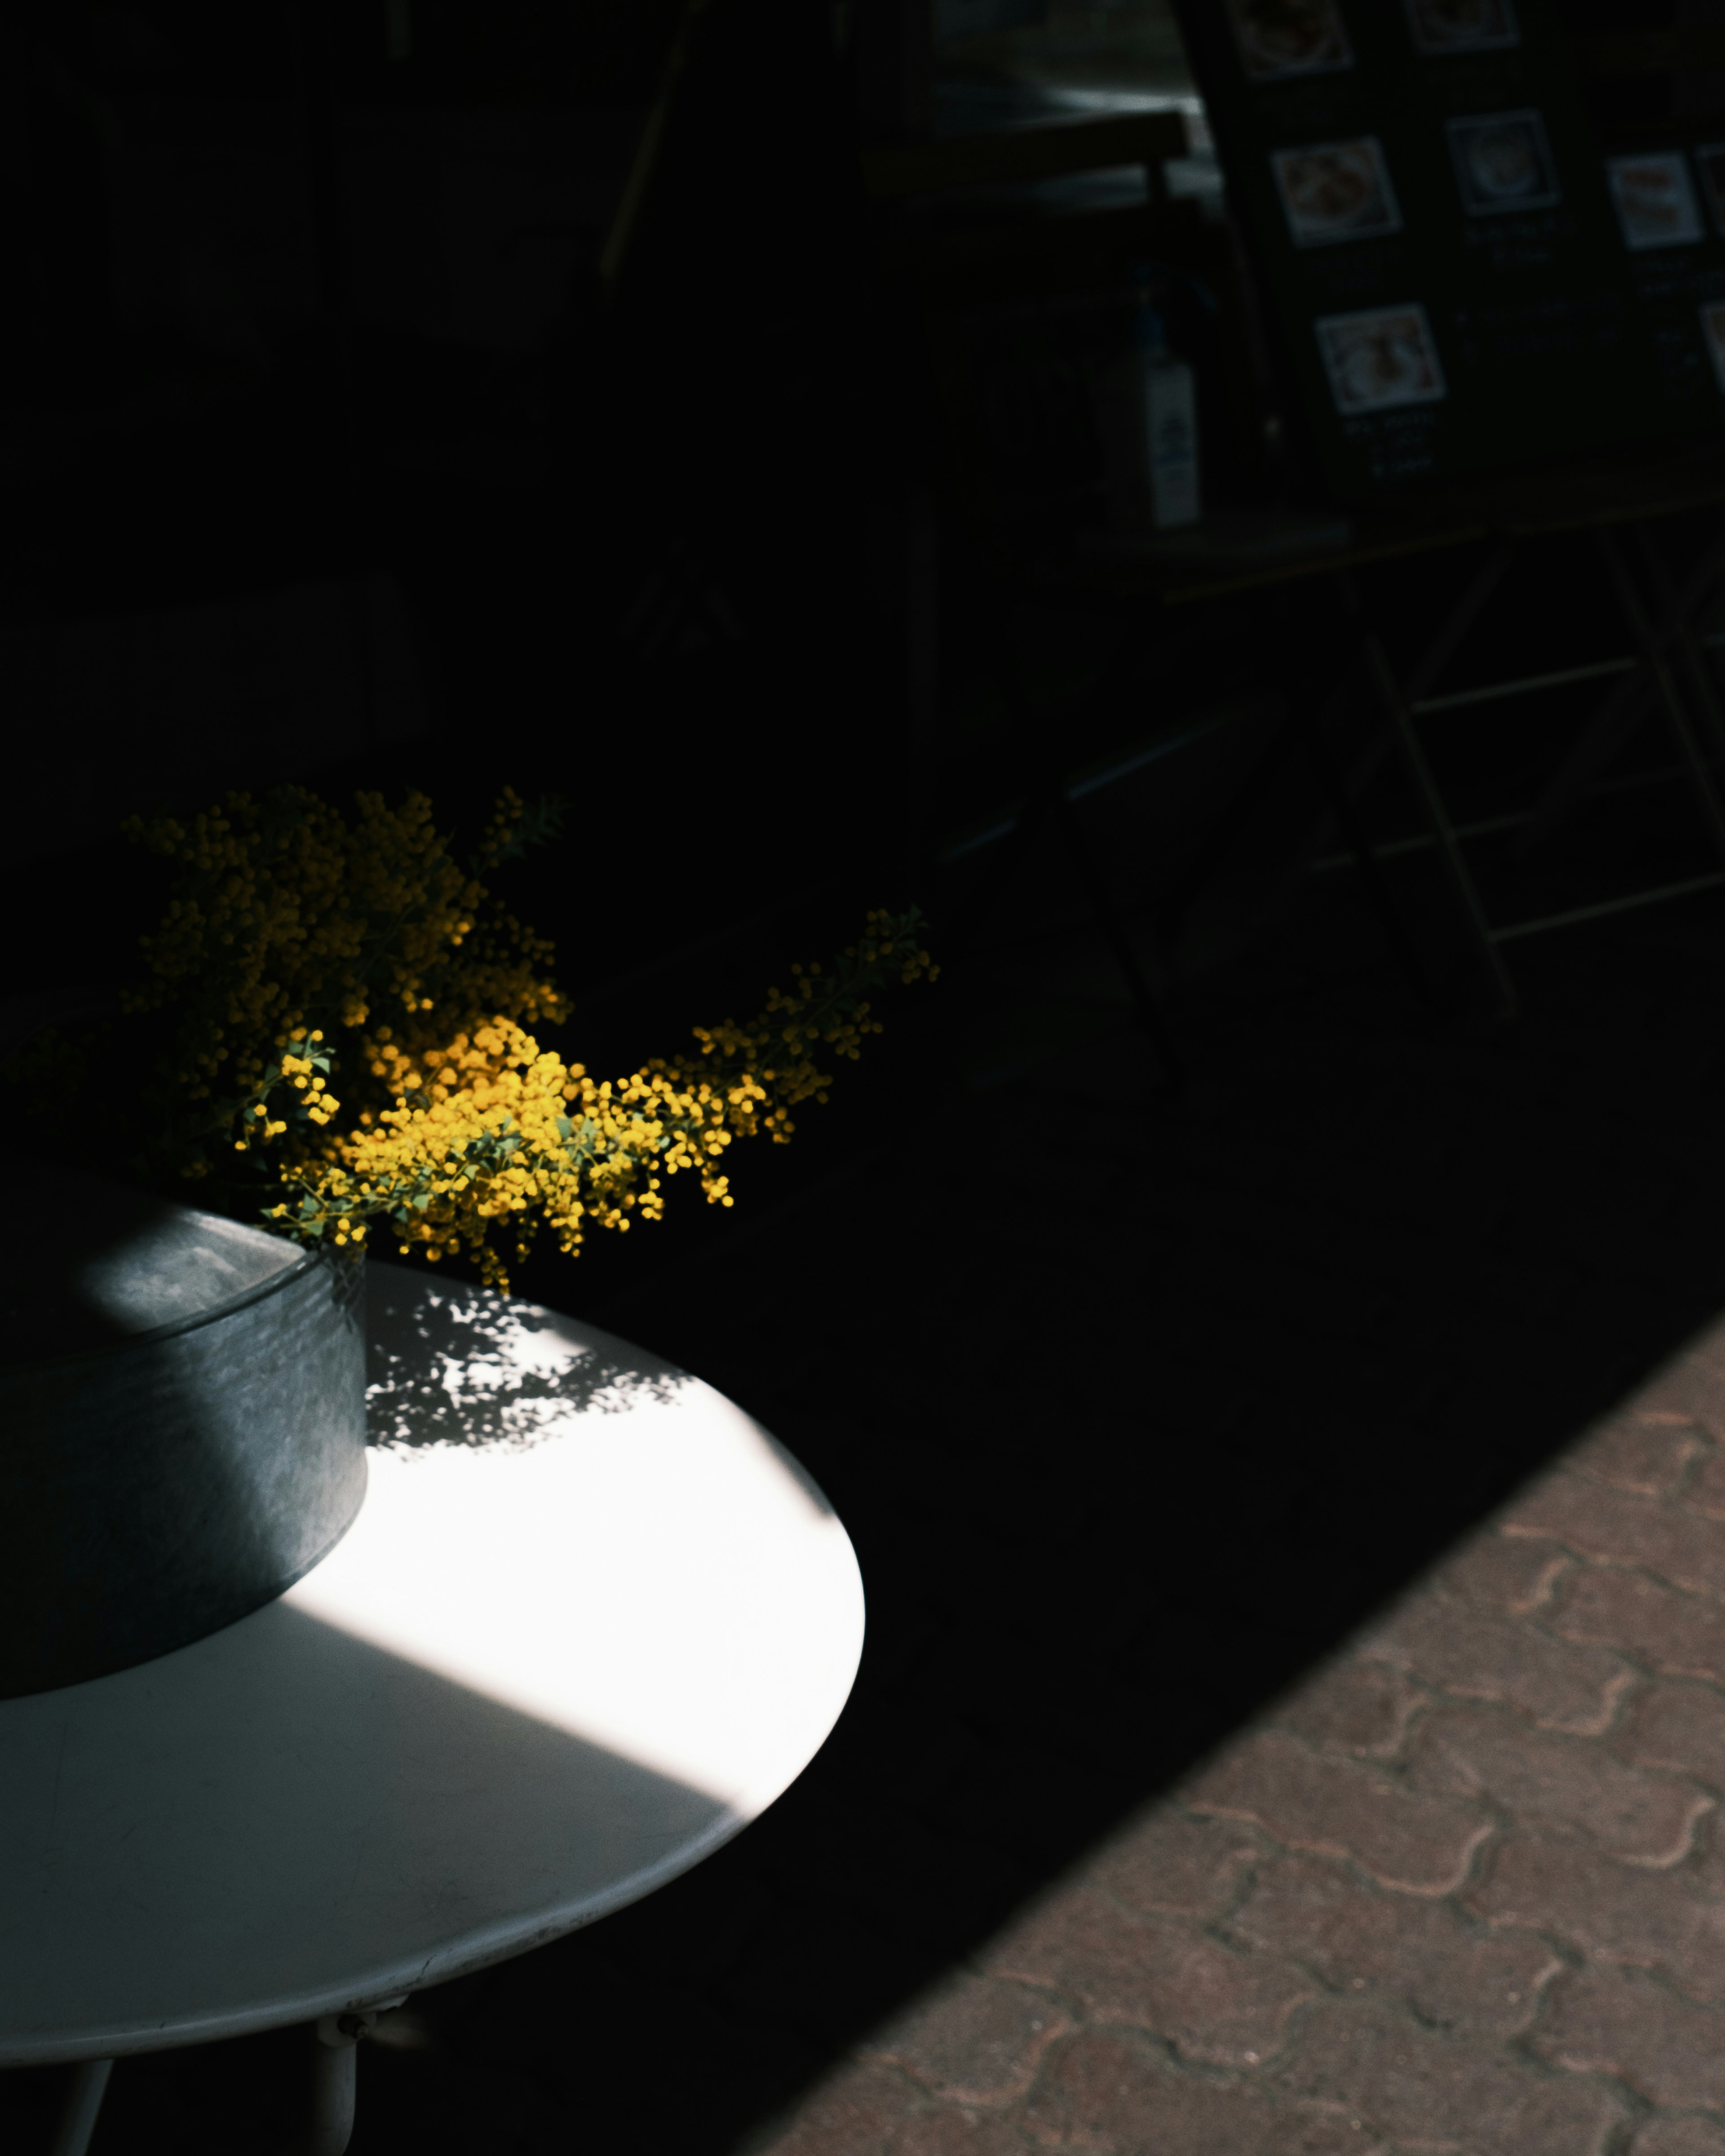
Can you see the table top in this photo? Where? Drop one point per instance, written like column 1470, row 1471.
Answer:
column 590, row 1621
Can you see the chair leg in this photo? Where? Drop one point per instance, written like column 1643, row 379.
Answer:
column 1626, row 706
column 1373, row 884
column 1701, row 683
column 1395, row 708
column 1396, row 703
column 1653, row 640
column 1171, row 1081
column 84, row 2102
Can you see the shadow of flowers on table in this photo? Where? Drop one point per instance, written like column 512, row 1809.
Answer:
column 450, row 1363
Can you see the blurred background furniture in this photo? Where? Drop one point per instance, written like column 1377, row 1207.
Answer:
column 1589, row 601
column 1017, row 258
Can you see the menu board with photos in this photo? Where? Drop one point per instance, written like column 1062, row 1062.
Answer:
column 1460, row 281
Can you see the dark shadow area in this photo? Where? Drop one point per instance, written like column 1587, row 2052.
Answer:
column 1132, row 1416
column 1134, row 1410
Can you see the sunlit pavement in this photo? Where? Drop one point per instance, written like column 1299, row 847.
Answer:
column 1462, row 1889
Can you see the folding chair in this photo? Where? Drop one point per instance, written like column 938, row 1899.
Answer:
column 1662, row 622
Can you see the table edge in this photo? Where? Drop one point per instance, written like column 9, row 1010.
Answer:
column 391, row 1980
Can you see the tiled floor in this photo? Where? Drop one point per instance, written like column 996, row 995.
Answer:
column 1461, row 1889
column 1182, row 1805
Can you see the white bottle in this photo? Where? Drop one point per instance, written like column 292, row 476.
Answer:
column 1170, row 427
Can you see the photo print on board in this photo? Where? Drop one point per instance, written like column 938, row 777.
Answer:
column 1278, row 38
column 1710, row 159
column 1463, row 26
column 1336, row 191
column 1503, row 163
column 1655, row 204
column 1712, row 336
column 1380, row 358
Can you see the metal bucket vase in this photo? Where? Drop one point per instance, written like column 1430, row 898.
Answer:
column 182, row 1426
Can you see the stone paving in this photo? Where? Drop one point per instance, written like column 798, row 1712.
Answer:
column 1463, row 1890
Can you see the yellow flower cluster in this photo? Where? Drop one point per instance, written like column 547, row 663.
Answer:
column 300, row 949
column 289, row 921
column 492, row 1135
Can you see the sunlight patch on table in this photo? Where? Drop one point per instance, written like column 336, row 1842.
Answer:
column 658, row 1581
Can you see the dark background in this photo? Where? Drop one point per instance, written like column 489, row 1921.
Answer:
column 1134, row 1407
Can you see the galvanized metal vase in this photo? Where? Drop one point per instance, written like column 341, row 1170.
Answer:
column 181, row 1425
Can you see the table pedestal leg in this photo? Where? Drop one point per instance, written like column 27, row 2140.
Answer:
column 334, row 2055
column 84, row 2100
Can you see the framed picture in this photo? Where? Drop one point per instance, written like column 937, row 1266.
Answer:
column 1336, row 191
column 1710, row 161
column 1655, row 204
column 1277, row 38
column 1712, row 336
column 1462, row 26
column 1380, row 358
column 1503, row 163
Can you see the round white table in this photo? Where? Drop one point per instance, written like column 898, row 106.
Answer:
column 590, row 1621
